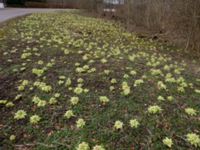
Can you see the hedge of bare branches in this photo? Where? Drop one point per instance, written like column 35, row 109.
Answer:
column 178, row 18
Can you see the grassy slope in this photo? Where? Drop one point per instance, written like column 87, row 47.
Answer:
column 68, row 41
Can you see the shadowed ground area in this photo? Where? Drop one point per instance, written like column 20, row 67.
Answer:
column 70, row 82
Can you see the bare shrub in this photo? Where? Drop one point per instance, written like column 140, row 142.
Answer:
column 178, row 18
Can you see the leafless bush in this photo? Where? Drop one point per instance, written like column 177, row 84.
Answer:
column 178, row 18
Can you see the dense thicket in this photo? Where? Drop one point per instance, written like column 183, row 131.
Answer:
column 178, row 18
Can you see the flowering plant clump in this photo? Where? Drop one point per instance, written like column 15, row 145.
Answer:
column 78, row 90
column 154, row 109
column 57, row 95
column 40, row 62
column 161, row 98
column 43, row 86
column 118, row 125
column 20, row 114
column 41, row 103
column 3, row 101
column 38, row 72
column 197, row 91
column 161, row 85
column 156, row 72
column 68, row 82
column 113, row 81
column 191, row 111
column 12, row 137
column 22, row 86
column 74, row 100
column 126, row 89
column 25, row 82
column 68, row 114
column 52, row 101
column 107, row 72
column 138, row 82
column 25, row 55
column 80, row 123
column 36, row 99
column 83, row 146
column 35, row 119
column 134, row 123
column 170, row 98
column 98, row 147
column 104, row 60
column 80, row 80
column 193, row 139
column 104, row 99
column 168, row 142
column 133, row 72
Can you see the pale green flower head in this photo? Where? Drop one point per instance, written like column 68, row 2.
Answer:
column 3, row 101
column 138, row 82
column 104, row 60
column 170, row 98
column 197, row 91
column 18, row 97
column 168, row 142
column 41, row 103
column 98, row 147
column 111, row 88
column 133, row 72
column 21, row 88
column 134, row 123
column 86, row 90
column 52, row 101
column 126, row 76
column 78, row 90
column 166, row 67
column 191, row 111
column 35, row 119
column 10, row 104
column 36, row 100
column 80, row 80
column 25, row 82
column 60, row 82
column 38, row 72
column 161, row 85
column 68, row 114
column 104, row 99
column 46, row 88
column 154, row 109
column 25, row 55
column 193, row 139
column 107, row 72
column 20, row 114
column 57, row 95
column 79, row 70
column 74, row 100
column 113, row 81
column 68, row 82
column 83, row 146
column 181, row 89
column 118, row 125
column 161, row 98
column 86, row 67
column 80, row 123
column 40, row 62
column 156, row 72
column 12, row 138
column 126, row 89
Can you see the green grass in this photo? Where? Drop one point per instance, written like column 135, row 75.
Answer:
column 68, row 46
